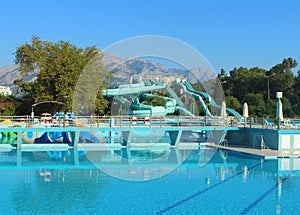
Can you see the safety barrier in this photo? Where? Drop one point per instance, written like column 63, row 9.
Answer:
column 153, row 121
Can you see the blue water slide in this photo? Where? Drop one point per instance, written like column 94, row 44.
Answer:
column 123, row 101
column 170, row 105
column 174, row 95
column 209, row 99
column 182, row 108
column 193, row 93
column 140, row 109
column 127, row 89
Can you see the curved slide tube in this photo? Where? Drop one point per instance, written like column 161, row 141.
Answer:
column 196, row 96
column 132, row 89
column 210, row 99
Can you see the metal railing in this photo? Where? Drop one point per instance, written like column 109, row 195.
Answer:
column 153, row 121
column 157, row 121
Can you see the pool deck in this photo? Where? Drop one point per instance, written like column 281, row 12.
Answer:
column 266, row 153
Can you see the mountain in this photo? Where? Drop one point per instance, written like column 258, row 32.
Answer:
column 122, row 69
column 9, row 74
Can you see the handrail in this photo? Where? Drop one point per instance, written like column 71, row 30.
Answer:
column 155, row 121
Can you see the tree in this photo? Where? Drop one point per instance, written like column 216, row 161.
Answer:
column 270, row 110
column 8, row 105
column 283, row 79
column 233, row 103
column 225, row 82
column 260, row 82
column 60, row 66
column 243, row 80
column 295, row 98
column 287, row 107
column 256, row 104
column 88, row 98
column 155, row 101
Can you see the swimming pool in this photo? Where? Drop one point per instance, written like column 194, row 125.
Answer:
column 147, row 181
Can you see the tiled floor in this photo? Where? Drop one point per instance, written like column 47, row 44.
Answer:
column 262, row 152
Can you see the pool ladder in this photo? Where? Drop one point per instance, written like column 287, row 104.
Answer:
column 223, row 153
column 224, row 143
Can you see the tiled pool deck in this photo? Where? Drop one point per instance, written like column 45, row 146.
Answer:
column 267, row 153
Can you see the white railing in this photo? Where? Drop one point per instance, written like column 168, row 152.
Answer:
column 155, row 121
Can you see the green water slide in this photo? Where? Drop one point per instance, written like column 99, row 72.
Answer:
column 209, row 99
column 137, row 108
column 170, row 106
column 137, row 88
column 182, row 108
column 142, row 110
column 198, row 97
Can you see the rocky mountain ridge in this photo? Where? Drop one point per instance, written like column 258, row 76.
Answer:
column 122, row 69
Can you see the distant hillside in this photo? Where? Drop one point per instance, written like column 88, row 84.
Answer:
column 122, row 68
column 9, row 74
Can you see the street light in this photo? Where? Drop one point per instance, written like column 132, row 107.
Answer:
column 268, row 83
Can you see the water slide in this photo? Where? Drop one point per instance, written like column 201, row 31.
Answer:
column 138, row 108
column 143, row 110
column 123, row 101
column 170, row 106
column 197, row 97
column 137, row 88
column 182, row 108
column 209, row 99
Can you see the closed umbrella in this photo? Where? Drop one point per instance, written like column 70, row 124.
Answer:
column 245, row 110
column 223, row 109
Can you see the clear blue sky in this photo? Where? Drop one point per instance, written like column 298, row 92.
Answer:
column 228, row 33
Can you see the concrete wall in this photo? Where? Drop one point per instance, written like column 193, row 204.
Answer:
column 259, row 138
column 270, row 138
column 237, row 138
column 253, row 137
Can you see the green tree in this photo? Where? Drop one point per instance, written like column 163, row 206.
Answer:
column 256, row 103
column 155, row 100
column 8, row 105
column 233, row 103
column 270, row 110
column 60, row 66
column 287, row 107
column 243, row 80
column 88, row 91
column 283, row 79
column 225, row 82
column 295, row 99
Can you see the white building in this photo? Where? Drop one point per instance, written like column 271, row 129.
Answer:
column 5, row 91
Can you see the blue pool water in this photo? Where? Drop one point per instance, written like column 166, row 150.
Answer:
column 148, row 181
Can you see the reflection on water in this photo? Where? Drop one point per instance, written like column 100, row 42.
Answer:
column 161, row 180
column 63, row 188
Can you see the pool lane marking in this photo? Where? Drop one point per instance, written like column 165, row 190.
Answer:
column 262, row 197
column 166, row 209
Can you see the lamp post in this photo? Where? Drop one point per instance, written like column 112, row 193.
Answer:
column 268, row 83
